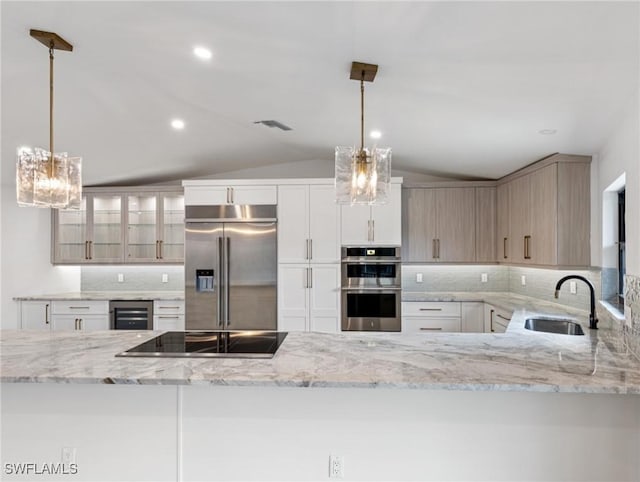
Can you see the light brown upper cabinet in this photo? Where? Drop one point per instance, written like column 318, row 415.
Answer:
column 448, row 224
column 543, row 213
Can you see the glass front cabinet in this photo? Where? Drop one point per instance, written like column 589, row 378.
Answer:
column 134, row 226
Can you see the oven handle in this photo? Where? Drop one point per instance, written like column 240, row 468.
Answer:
column 375, row 290
column 371, row 260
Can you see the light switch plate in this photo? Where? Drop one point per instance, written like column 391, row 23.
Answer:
column 120, row 278
column 573, row 289
column 484, row 278
column 418, row 277
column 523, row 280
column 165, row 278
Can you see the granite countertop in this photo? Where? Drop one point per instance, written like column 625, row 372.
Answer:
column 106, row 295
column 518, row 360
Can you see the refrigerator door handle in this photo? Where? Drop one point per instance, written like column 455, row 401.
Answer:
column 227, row 255
column 220, row 283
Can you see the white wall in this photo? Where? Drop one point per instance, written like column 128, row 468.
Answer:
column 620, row 155
column 26, row 267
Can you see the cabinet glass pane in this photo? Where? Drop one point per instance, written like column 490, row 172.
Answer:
column 142, row 237
column 107, row 234
column 72, row 233
column 173, row 227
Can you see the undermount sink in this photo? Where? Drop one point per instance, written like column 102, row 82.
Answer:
column 553, row 325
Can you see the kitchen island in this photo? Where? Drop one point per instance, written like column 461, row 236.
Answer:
column 396, row 407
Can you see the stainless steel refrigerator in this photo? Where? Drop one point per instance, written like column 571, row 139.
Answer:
column 231, row 267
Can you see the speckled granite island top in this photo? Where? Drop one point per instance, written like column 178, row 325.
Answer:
column 513, row 361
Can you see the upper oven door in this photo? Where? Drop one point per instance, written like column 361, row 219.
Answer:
column 370, row 274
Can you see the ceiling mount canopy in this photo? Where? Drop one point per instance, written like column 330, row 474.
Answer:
column 362, row 175
column 44, row 178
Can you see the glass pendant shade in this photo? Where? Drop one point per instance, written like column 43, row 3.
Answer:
column 362, row 175
column 46, row 182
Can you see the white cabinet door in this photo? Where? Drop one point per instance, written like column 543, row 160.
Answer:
column 94, row 322
column 66, row 322
column 324, row 298
column 355, row 225
column 206, row 195
column 254, row 195
column 387, row 219
column 473, row 317
column 293, row 224
column 168, row 322
column 35, row 315
column 80, row 322
column 293, row 297
column 363, row 225
column 324, row 224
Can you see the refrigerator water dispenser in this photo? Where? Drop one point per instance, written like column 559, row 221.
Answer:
column 204, row 280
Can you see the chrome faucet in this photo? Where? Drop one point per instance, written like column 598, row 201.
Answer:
column 593, row 321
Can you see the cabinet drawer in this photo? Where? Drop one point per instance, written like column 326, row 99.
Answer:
column 80, row 322
column 168, row 307
column 430, row 325
column 80, row 307
column 431, row 308
column 168, row 322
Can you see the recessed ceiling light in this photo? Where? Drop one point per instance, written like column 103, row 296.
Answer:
column 375, row 134
column 202, row 53
column 177, row 124
column 547, row 132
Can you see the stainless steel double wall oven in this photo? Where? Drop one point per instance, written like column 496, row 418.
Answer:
column 371, row 288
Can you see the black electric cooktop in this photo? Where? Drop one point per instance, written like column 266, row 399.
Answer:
column 210, row 344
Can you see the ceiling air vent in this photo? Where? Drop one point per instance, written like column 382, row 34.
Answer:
column 274, row 123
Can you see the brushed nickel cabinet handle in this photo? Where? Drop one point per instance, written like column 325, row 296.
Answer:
column 168, row 317
column 430, row 309
column 431, row 329
column 90, row 249
column 79, row 307
column 527, row 240
column 46, row 314
column 168, row 307
column 311, row 249
column 504, row 248
column 161, row 255
column 75, row 324
column 86, row 250
column 373, row 230
column 433, row 249
column 438, row 248
column 80, row 323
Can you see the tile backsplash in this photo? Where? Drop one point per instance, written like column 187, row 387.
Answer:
column 454, row 278
column 539, row 283
column 135, row 278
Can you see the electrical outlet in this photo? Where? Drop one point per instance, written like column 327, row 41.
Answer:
column 68, row 455
column 418, row 277
column 165, row 278
column 120, row 278
column 573, row 289
column 484, row 278
column 336, row 467
column 523, row 280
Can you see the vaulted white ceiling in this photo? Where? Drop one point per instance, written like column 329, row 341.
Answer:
column 463, row 88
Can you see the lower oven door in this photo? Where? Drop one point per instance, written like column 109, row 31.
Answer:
column 371, row 310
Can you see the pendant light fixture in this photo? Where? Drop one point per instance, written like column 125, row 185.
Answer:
column 46, row 179
column 362, row 175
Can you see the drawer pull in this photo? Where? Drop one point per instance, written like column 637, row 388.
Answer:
column 164, row 317
column 168, row 307
column 78, row 307
column 430, row 309
column 431, row 329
